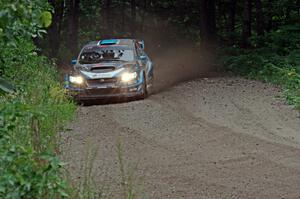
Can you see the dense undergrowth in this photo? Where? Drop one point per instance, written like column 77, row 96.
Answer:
column 274, row 58
column 35, row 112
column 29, row 167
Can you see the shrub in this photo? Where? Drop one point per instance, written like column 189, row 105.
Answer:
column 31, row 116
column 275, row 59
column 29, row 167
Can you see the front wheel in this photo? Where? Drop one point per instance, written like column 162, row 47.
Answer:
column 144, row 93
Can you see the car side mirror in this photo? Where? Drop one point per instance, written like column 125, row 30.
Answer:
column 143, row 57
column 74, row 62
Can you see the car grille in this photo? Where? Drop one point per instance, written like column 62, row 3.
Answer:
column 101, row 81
column 106, row 91
column 103, row 69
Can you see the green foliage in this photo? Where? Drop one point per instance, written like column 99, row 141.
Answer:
column 46, row 19
column 31, row 116
column 22, row 19
column 276, row 59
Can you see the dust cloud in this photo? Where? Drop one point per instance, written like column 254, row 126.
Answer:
column 178, row 63
column 176, row 59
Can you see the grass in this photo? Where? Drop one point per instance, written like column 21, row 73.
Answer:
column 127, row 185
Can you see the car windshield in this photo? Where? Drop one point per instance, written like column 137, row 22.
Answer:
column 96, row 54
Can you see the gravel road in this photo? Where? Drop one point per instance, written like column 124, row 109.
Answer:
column 216, row 137
column 223, row 137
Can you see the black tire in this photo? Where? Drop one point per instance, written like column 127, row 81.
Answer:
column 151, row 90
column 144, row 93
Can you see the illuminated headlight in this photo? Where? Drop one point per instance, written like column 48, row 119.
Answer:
column 128, row 76
column 76, row 79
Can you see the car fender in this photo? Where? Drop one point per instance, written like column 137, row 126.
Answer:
column 149, row 68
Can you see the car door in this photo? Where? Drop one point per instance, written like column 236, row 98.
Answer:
column 139, row 53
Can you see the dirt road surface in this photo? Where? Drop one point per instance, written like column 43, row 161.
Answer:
column 216, row 137
column 209, row 138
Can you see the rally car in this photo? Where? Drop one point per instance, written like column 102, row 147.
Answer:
column 111, row 68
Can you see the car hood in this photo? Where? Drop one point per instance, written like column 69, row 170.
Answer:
column 105, row 69
column 106, row 65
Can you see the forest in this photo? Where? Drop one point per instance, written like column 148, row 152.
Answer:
column 257, row 39
column 220, row 23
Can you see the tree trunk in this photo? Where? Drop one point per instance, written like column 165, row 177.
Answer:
column 73, row 25
column 270, row 20
column 108, row 21
column 55, row 28
column 298, row 10
column 145, row 5
column 208, row 22
column 259, row 18
column 76, row 24
column 123, row 17
column 231, row 25
column 246, row 32
column 133, row 17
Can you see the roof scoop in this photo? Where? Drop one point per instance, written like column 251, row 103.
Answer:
column 108, row 42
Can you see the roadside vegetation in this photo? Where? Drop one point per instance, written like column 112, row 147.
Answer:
column 264, row 44
column 275, row 59
column 126, row 186
column 33, row 106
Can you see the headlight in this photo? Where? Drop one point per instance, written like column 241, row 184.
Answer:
column 128, row 76
column 76, row 79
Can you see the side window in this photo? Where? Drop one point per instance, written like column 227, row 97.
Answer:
column 139, row 51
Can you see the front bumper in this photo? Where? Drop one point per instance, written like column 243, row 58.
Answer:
column 105, row 91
